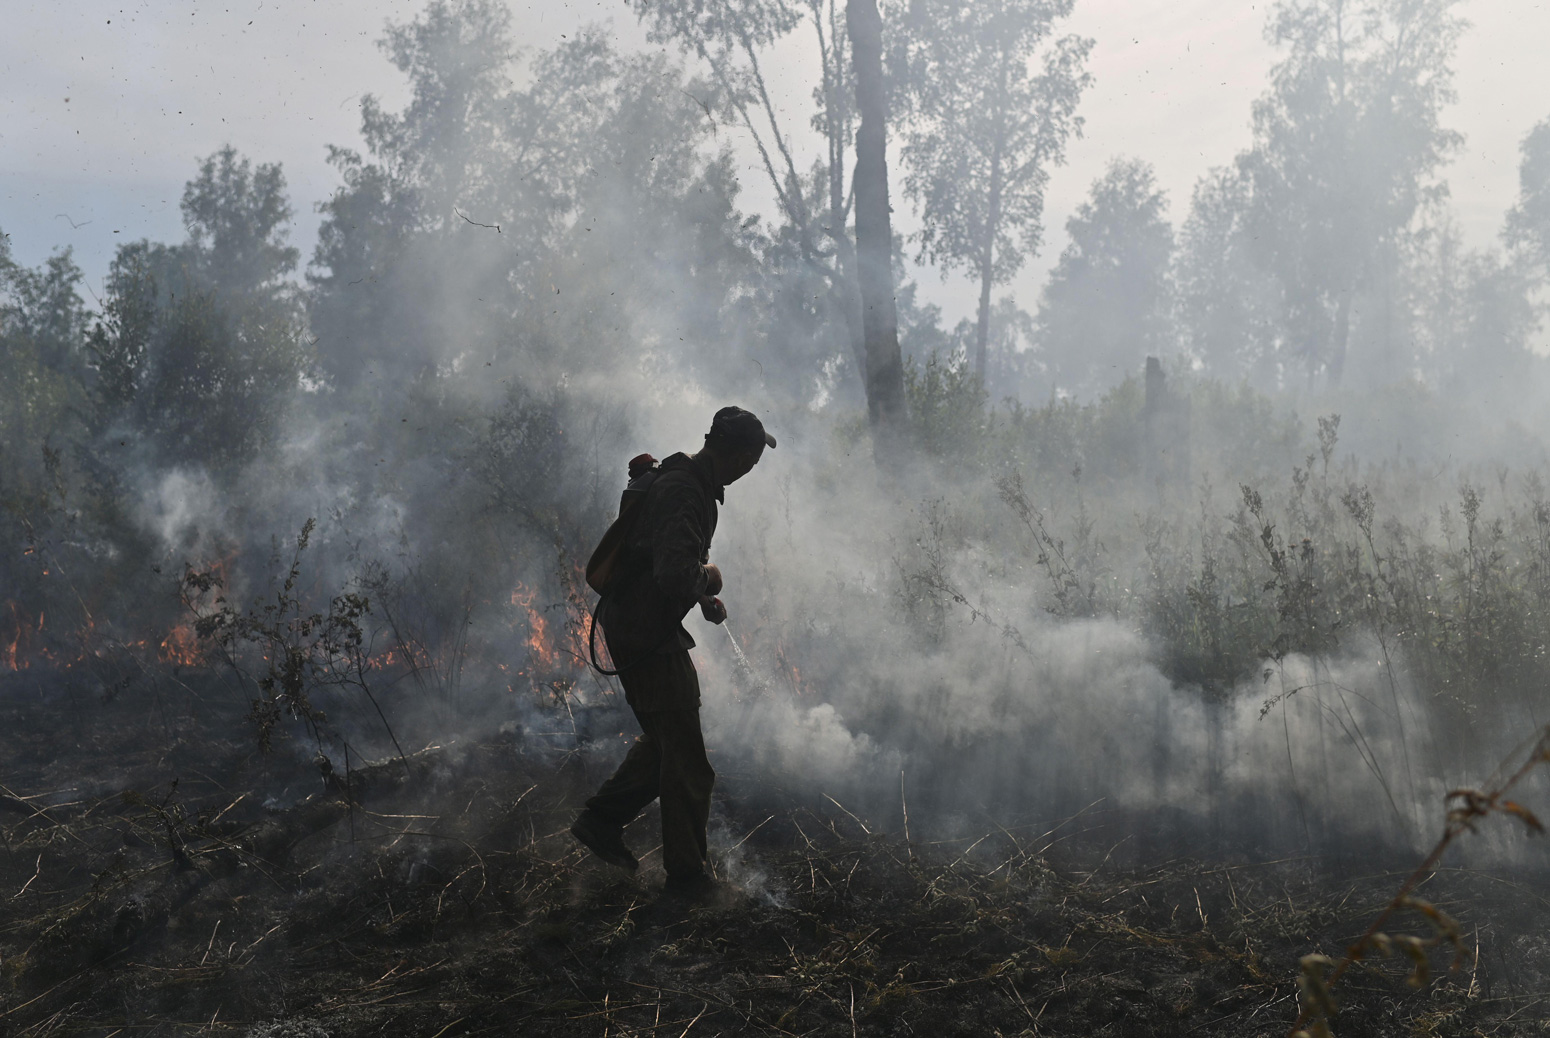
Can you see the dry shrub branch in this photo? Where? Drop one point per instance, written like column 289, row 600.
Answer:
column 1469, row 807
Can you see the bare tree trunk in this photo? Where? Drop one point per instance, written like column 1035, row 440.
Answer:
column 837, row 119
column 848, row 298
column 1339, row 339
column 988, row 257
column 874, row 231
column 982, row 340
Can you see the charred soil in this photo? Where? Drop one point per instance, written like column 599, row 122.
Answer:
column 160, row 878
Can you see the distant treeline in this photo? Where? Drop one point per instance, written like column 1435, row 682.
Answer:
column 543, row 246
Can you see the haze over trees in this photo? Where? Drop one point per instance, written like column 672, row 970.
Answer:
column 199, row 348
column 540, row 216
column 1107, row 305
column 992, row 96
column 287, row 513
column 1305, row 263
column 733, row 39
column 522, row 261
column 1528, row 223
column 1348, row 141
column 535, row 228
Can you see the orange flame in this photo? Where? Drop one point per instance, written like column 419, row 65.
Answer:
column 17, row 654
column 541, row 654
column 556, row 647
column 22, row 644
column 181, row 646
column 16, row 637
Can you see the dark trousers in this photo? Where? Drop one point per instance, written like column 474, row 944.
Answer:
column 667, row 763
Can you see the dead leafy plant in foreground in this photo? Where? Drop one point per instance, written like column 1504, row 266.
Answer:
column 1315, row 987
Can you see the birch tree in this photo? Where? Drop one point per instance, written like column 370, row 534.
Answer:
column 986, row 128
column 733, row 39
column 1346, row 144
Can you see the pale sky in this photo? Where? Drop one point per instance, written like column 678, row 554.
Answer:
column 105, row 107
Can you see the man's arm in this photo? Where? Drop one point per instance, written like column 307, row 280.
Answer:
column 678, row 545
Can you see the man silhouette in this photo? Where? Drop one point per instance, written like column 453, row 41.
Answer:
column 664, row 571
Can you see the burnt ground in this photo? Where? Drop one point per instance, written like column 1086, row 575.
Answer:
column 160, row 876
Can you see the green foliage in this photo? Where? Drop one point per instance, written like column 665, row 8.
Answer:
column 42, row 396
column 946, row 401
column 987, row 126
column 198, row 373
column 194, row 360
column 1075, row 571
column 810, row 290
column 1309, row 555
column 198, row 349
column 662, row 267
column 474, row 175
column 731, row 37
column 588, row 198
column 1499, row 318
column 1065, row 440
column 1325, row 252
column 237, row 219
column 1240, row 432
column 42, row 310
column 526, row 463
column 1235, row 430
column 42, row 318
column 1188, row 607
column 1014, row 367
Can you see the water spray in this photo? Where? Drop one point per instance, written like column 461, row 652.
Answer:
column 753, row 688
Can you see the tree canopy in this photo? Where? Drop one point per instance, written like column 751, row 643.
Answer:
column 1347, row 142
column 985, row 129
column 1106, row 306
column 1528, row 222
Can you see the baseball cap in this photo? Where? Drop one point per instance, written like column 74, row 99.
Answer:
column 735, row 425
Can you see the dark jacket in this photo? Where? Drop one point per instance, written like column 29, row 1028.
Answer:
column 661, row 576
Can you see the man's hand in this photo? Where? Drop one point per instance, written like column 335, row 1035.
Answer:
column 712, row 609
column 713, row 580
